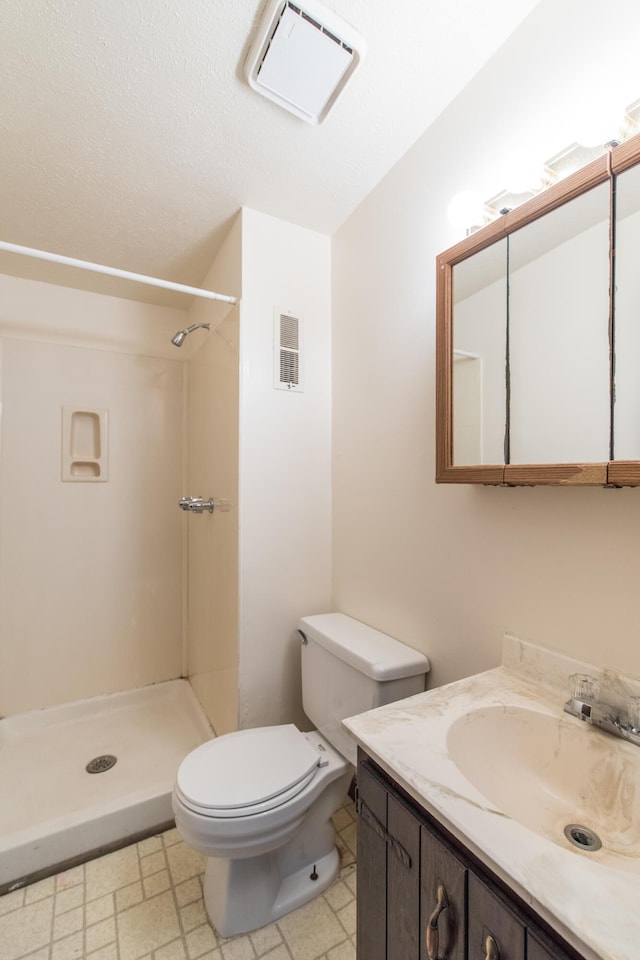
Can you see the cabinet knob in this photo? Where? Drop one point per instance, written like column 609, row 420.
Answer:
column 433, row 934
column 491, row 949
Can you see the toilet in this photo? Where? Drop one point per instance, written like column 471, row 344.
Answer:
column 258, row 803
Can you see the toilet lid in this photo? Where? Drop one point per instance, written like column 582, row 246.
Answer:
column 250, row 768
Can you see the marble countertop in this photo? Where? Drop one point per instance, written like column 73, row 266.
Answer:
column 588, row 898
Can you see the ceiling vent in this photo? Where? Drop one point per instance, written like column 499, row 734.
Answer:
column 302, row 57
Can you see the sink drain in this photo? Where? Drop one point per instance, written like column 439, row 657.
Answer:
column 100, row 764
column 582, row 838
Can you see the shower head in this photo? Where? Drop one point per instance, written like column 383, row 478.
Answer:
column 178, row 339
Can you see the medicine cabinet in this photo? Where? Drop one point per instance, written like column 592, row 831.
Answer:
column 538, row 337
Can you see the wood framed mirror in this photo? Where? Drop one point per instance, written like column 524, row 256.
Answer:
column 538, row 337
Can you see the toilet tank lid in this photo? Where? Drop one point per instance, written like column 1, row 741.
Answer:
column 373, row 653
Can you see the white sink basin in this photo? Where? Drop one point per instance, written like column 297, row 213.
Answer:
column 547, row 772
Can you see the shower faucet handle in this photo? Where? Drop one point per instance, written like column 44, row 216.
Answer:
column 199, row 504
column 196, row 504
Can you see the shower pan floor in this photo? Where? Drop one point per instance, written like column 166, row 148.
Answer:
column 53, row 811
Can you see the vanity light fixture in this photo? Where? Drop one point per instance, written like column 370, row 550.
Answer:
column 302, row 57
column 527, row 178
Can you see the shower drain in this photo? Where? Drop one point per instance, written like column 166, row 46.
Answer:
column 100, row 764
column 582, row 838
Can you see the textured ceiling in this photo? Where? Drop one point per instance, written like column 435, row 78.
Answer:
column 128, row 136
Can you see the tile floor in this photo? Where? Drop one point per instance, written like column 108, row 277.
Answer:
column 144, row 902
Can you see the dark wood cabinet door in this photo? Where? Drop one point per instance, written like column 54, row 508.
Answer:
column 495, row 933
column 443, row 895
column 536, row 951
column 403, row 882
column 371, row 902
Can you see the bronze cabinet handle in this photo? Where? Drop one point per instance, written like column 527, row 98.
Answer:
column 433, row 934
column 491, row 949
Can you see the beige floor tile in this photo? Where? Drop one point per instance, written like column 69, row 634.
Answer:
column 346, row 951
column 347, row 917
column 311, row 930
column 147, row 926
column 240, row 948
column 150, row 845
column 129, row 896
column 40, row 890
column 99, row 909
column 109, row 952
column 11, row 901
column 111, row 873
column 200, row 941
column 188, row 891
column 341, row 819
column 68, row 923
column 280, row 953
column 38, row 955
column 184, row 862
column 26, row 929
column 348, row 836
column 71, row 948
column 171, row 837
column 266, row 939
column 155, row 884
column 153, row 863
column 68, row 899
column 338, row 895
column 101, row 934
column 173, row 951
column 193, row 915
column 70, row 878
column 350, row 877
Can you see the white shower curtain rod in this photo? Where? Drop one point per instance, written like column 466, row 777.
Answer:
column 113, row 272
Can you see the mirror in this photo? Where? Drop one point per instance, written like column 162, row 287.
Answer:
column 559, row 334
column 626, row 416
column 479, row 352
column 526, row 330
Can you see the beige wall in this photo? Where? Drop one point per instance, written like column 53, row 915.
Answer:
column 90, row 573
column 449, row 569
column 285, row 465
column 212, row 430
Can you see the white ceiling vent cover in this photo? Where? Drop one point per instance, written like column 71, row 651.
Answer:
column 302, row 57
column 287, row 351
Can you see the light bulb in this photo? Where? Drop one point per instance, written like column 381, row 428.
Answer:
column 466, row 210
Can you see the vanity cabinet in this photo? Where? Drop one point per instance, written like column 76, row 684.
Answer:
column 423, row 896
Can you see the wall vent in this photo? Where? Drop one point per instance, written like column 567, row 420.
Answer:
column 287, row 353
column 302, row 57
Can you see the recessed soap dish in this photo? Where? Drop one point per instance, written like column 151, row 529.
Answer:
column 85, row 444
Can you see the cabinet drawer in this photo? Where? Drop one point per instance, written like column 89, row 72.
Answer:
column 495, row 933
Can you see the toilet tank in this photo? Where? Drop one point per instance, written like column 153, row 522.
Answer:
column 348, row 668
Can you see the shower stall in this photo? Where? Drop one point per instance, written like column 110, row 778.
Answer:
column 118, row 610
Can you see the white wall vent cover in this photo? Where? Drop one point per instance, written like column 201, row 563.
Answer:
column 287, row 351
column 302, row 57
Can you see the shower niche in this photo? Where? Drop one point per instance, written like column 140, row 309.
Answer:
column 85, row 444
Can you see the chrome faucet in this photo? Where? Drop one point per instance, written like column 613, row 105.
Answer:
column 197, row 504
column 585, row 704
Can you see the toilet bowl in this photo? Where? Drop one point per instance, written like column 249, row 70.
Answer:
column 258, row 803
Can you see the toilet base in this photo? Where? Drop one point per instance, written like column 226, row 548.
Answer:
column 261, row 903
column 243, row 894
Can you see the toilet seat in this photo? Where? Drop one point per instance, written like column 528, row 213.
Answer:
column 249, row 772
